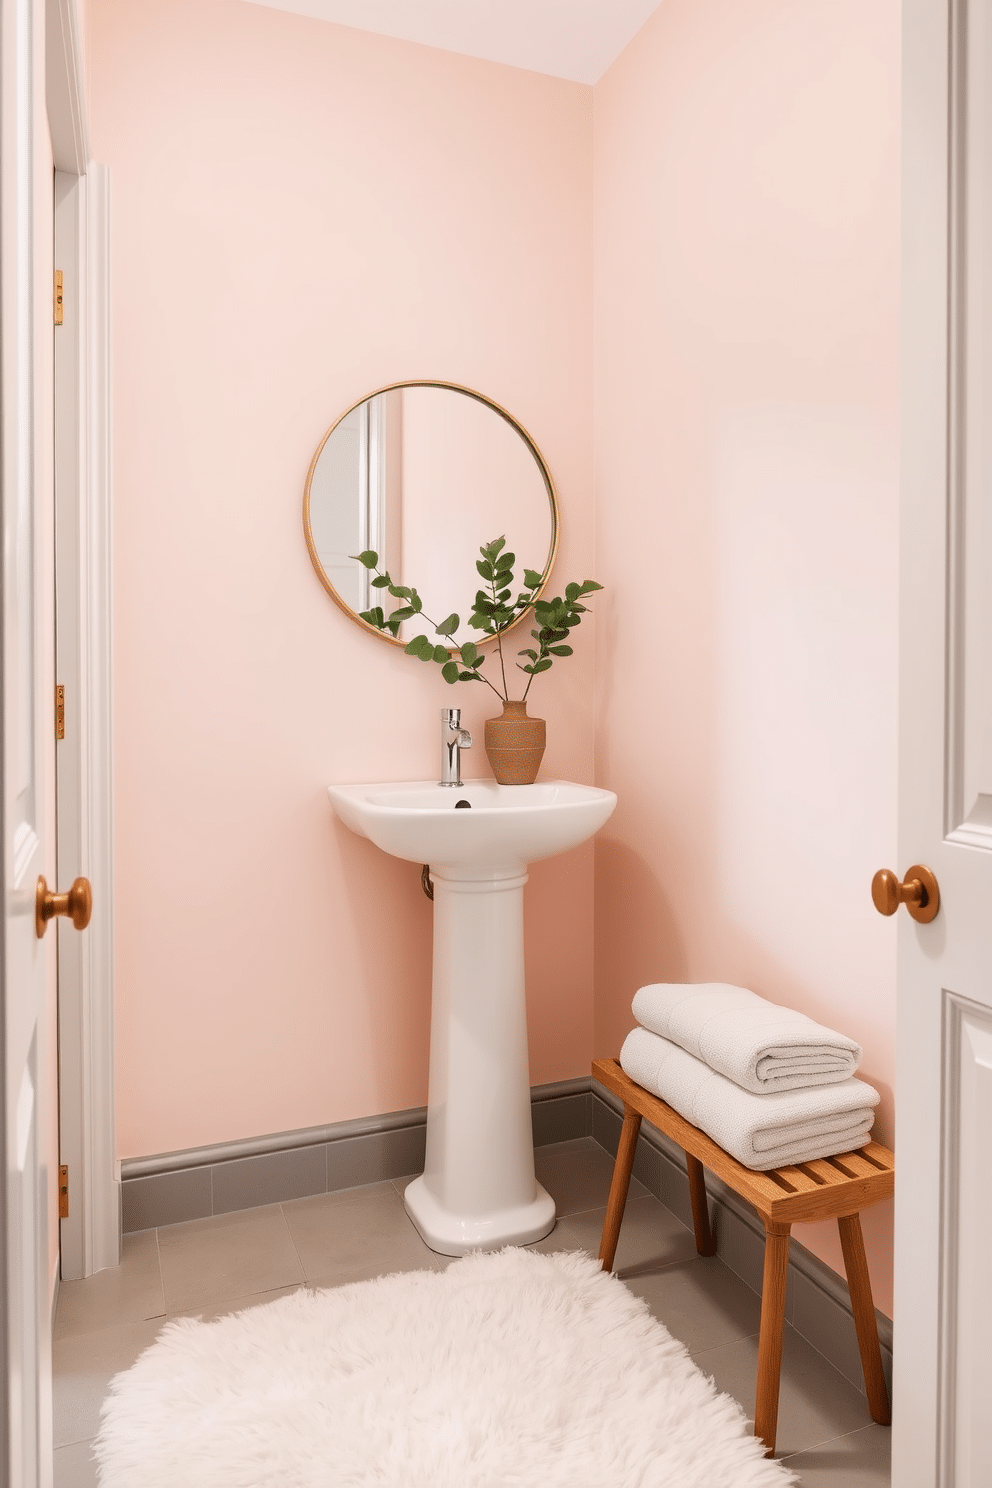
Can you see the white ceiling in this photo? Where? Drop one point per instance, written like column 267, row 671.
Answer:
column 575, row 39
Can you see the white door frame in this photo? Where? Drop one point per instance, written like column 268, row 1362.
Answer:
column 90, row 1236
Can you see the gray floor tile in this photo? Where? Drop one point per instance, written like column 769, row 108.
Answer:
column 577, row 1175
column 229, row 1255
column 209, row 1312
column 127, row 1293
column 75, row 1466
column 861, row 1460
column 816, row 1403
column 82, row 1368
column 699, row 1301
column 211, row 1267
column 338, row 1243
column 364, row 1191
column 650, row 1236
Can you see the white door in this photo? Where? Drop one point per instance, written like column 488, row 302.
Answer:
column 943, row 1298
column 25, row 491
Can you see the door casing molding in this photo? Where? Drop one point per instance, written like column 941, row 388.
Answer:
column 90, row 1236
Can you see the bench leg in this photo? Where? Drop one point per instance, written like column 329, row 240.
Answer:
column 705, row 1239
column 863, row 1308
column 770, row 1337
column 617, row 1201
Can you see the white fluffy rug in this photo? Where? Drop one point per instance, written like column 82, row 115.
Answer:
column 509, row 1370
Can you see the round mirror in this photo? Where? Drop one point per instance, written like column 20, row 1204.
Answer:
column 423, row 474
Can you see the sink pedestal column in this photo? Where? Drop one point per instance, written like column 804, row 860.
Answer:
column 478, row 1190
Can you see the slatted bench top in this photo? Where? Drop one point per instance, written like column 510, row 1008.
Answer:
column 826, row 1188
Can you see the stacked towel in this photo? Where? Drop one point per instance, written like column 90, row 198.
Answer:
column 756, row 1044
column 761, row 1131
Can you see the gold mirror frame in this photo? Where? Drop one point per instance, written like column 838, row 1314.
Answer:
column 542, row 466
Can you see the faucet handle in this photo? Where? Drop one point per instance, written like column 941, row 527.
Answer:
column 464, row 739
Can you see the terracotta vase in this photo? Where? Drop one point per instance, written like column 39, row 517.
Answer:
column 515, row 745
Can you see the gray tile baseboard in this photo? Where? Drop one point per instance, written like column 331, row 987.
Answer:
column 174, row 1186
column 818, row 1304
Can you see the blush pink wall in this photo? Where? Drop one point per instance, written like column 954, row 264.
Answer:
column 302, row 213
column 746, row 395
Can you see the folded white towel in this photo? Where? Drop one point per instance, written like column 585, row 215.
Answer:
column 761, row 1131
column 755, row 1043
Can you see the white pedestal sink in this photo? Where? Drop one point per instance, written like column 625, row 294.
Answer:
column 478, row 1189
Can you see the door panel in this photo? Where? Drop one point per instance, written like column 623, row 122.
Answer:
column 943, row 1300
column 28, row 966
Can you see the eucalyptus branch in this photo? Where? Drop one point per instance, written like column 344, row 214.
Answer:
column 557, row 619
column 421, row 646
column 492, row 614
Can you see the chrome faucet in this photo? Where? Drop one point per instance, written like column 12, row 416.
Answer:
column 453, row 740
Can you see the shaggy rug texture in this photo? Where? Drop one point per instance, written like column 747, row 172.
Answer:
column 508, row 1370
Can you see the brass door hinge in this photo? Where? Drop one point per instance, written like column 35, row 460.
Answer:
column 58, row 296
column 64, row 1191
column 60, row 712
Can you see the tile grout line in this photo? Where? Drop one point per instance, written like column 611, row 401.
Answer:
column 296, row 1249
column 843, row 1436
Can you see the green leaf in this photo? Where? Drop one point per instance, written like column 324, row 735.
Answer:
column 403, row 613
column 397, row 590
column 469, row 677
column 449, row 626
column 450, row 671
column 416, row 646
column 531, row 654
column 571, row 592
column 369, row 558
column 532, row 578
column 370, row 617
column 588, row 586
column 416, row 602
column 493, row 549
column 503, row 596
column 481, row 622
column 485, row 569
column 381, row 582
column 470, row 652
column 560, row 650
column 439, row 653
column 542, row 666
column 393, row 626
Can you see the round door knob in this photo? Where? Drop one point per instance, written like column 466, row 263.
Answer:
column 77, row 904
column 918, row 891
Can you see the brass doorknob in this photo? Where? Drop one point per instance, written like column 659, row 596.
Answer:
column 77, row 904
column 918, row 891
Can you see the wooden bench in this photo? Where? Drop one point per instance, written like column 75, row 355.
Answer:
column 828, row 1188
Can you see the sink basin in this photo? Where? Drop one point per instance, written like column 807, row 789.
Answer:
column 504, row 826
column 478, row 1189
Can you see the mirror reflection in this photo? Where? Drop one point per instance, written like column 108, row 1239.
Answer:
column 423, row 474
